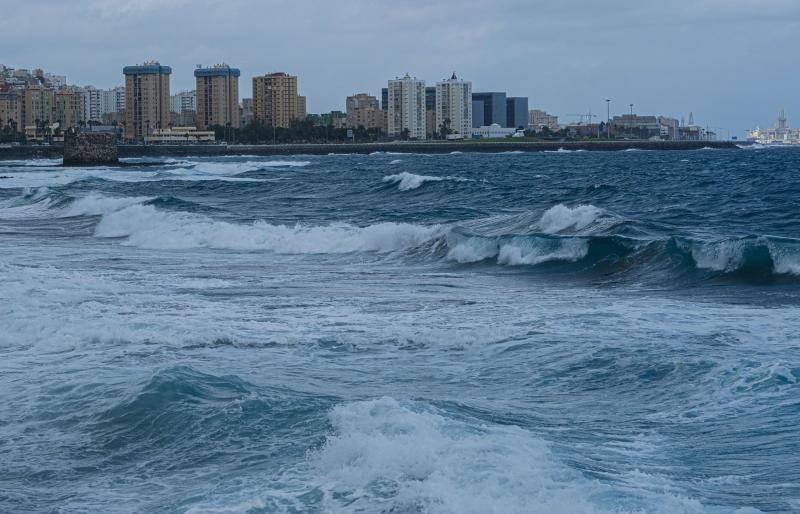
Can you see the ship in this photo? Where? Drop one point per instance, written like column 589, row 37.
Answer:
column 781, row 134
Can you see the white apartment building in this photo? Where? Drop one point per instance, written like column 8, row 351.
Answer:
column 185, row 101
column 454, row 105
column 112, row 100
column 91, row 103
column 406, row 107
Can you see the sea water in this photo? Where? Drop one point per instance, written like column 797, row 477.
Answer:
column 544, row 333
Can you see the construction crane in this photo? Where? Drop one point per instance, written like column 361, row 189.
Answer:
column 588, row 117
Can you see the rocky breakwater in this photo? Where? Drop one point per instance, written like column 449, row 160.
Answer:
column 88, row 149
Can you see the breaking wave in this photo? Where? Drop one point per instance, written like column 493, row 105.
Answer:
column 582, row 239
column 391, row 456
column 409, row 181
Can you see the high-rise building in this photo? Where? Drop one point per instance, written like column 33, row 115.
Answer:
column 185, row 101
column 11, row 111
column 38, row 105
column 454, row 105
column 488, row 109
column 217, row 96
column 247, row 111
column 112, row 100
column 275, row 99
column 364, row 110
column 406, row 115
column 385, row 98
column 146, row 99
column 91, row 103
column 430, row 111
column 516, row 112
column 302, row 108
column 68, row 108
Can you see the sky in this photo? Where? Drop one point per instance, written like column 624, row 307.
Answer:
column 733, row 63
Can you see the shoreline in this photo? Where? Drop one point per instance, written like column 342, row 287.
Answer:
column 56, row 151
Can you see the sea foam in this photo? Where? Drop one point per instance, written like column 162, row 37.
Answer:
column 148, row 227
column 409, row 181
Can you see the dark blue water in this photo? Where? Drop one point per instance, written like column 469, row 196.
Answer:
column 545, row 333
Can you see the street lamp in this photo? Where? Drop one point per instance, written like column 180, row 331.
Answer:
column 608, row 118
column 631, row 122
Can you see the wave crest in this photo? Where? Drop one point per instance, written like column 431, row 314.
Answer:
column 408, row 181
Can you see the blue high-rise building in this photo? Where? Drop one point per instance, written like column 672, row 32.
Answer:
column 489, row 108
column 517, row 112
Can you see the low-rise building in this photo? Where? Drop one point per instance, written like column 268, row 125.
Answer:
column 493, row 131
column 177, row 135
column 539, row 119
column 363, row 110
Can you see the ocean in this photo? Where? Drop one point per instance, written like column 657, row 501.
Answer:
column 565, row 332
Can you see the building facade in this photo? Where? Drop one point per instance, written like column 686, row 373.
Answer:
column 516, row 112
column 489, row 109
column 217, row 96
column 147, row 99
column 38, row 105
column 406, row 113
column 364, row 110
column 275, row 99
column 454, row 105
column 539, row 119
column 68, row 108
column 11, row 111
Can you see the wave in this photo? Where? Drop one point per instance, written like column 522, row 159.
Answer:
column 409, row 181
column 32, row 163
column 146, row 226
column 238, row 168
column 580, row 239
column 564, row 150
column 396, row 161
column 400, row 456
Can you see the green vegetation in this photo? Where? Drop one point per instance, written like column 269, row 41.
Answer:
column 305, row 131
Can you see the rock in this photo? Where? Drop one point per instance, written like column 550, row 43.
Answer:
column 90, row 149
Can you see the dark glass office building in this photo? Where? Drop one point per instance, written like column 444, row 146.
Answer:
column 516, row 112
column 489, row 108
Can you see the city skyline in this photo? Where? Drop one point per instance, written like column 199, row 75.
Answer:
column 717, row 59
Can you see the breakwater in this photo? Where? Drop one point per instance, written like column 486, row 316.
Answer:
column 56, row 151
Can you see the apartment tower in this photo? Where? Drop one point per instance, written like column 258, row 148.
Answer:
column 147, row 99
column 275, row 99
column 217, row 96
column 364, row 110
column 406, row 115
column 454, row 105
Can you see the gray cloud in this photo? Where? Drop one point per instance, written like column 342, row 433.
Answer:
column 732, row 62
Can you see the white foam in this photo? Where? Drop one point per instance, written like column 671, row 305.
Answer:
column 35, row 163
column 236, row 168
column 560, row 218
column 147, row 227
column 408, row 181
column 562, row 250
column 97, row 204
column 387, row 455
column 721, row 256
column 396, row 161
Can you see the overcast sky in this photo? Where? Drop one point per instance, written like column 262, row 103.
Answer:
column 734, row 63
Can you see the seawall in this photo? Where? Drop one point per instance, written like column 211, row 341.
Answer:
column 56, row 151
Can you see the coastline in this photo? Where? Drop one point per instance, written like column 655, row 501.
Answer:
column 56, row 151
